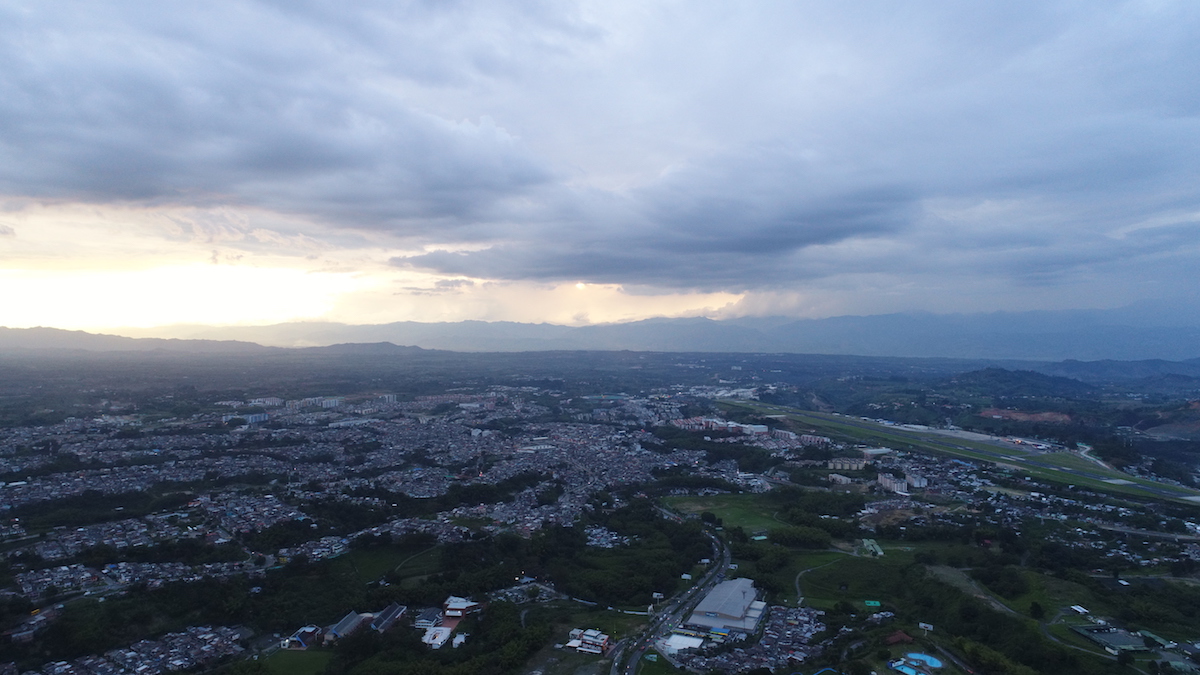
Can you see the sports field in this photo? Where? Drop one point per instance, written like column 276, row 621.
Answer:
column 748, row 511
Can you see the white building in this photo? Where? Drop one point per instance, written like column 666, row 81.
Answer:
column 590, row 641
column 436, row 636
column 889, row 482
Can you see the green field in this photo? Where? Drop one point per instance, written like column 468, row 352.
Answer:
column 616, row 625
column 1056, row 594
column 371, row 564
column 568, row 615
column 855, row 580
column 414, row 568
column 745, row 510
column 804, row 563
column 287, row 662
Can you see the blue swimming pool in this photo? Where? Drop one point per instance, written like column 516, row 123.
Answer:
column 904, row 669
column 926, row 659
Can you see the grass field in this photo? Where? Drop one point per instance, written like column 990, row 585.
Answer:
column 1056, row 594
column 287, row 662
column 369, row 565
column 854, row 580
column 414, row 568
column 566, row 616
column 746, row 510
column 803, row 564
column 616, row 625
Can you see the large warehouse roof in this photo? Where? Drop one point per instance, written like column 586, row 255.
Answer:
column 728, row 599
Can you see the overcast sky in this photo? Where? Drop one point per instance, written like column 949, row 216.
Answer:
column 254, row 162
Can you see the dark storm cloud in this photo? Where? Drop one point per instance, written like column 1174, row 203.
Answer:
column 245, row 104
column 732, row 224
column 697, row 146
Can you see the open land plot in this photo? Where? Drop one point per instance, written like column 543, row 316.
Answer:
column 750, row 511
column 288, row 662
column 791, row 578
column 551, row 661
column 856, row 580
column 415, row 568
column 616, row 625
column 1055, row 594
column 565, row 615
column 372, row 564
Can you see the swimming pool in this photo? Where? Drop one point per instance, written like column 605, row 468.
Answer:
column 926, row 659
column 907, row 670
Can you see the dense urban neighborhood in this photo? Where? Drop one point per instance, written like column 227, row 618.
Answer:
column 697, row 528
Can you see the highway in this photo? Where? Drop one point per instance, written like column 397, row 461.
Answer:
column 628, row 654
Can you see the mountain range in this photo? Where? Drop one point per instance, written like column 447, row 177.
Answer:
column 1083, row 347
column 1087, row 335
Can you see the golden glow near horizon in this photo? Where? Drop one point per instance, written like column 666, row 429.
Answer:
column 216, row 294
column 99, row 300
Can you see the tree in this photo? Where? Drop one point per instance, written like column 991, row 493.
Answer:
column 1036, row 610
column 249, row 668
column 858, row 668
column 1125, row 658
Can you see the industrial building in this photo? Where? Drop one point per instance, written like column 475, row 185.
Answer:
column 731, row 606
column 346, row 626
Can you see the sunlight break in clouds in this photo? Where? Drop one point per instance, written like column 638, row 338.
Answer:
column 181, row 294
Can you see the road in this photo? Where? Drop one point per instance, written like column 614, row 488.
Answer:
column 628, row 654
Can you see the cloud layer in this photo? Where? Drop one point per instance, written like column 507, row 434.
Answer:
column 946, row 154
